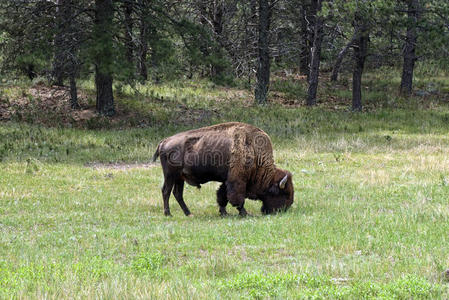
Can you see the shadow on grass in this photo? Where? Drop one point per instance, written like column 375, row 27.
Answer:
column 397, row 129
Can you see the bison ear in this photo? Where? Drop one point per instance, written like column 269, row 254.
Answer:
column 283, row 182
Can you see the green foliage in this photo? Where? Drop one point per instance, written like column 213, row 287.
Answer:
column 290, row 88
column 307, row 286
column 259, row 285
column 164, row 57
column 181, row 44
column 24, row 49
column 97, row 268
column 37, row 61
column 98, row 122
column 148, row 263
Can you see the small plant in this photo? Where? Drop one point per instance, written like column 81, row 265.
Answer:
column 98, row 122
column 148, row 263
column 260, row 285
column 337, row 156
column 443, row 180
column 31, row 166
column 39, row 80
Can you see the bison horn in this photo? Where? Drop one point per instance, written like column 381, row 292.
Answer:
column 283, row 182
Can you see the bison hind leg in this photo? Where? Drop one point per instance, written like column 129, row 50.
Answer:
column 222, row 199
column 166, row 191
column 178, row 193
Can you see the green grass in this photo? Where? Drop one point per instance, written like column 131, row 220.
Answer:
column 370, row 218
column 291, row 89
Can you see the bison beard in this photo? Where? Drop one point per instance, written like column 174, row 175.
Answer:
column 237, row 154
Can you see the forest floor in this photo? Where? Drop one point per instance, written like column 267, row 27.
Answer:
column 186, row 103
column 81, row 209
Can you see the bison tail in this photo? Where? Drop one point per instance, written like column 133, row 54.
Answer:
column 156, row 154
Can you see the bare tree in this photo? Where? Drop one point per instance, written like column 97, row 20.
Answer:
column 306, row 34
column 360, row 52
column 340, row 57
column 142, row 48
column 128, row 6
column 62, row 7
column 413, row 7
column 263, row 67
column 316, row 53
column 66, row 45
column 104, row 12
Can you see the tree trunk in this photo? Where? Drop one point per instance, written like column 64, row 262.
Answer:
column 251, row 38
column 203, row 41
column 409, row 48
column 304, row 55
column 128, row 9
column 360, row 53
column 62, row 21
column 263, row 68
column 73, row 72
column 105, row 99
column 217, row 22
column 73, row 92
column 30, row 71
column 316, row 53
column 340, row 57
column 143, row 70
column 143, row 42
column 104, row 56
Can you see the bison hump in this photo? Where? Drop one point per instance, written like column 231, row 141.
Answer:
column 190, row 142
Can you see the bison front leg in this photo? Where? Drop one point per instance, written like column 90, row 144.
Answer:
column 222, row 199
column 178, row 192
column 236, row 195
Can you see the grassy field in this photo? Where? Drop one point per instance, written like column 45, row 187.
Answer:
column 81, row 210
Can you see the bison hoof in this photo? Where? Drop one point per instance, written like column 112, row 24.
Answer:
column 167, row 213
column 243, row 213
column 223, row 212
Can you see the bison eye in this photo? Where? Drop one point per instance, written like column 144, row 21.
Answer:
column 274, row 189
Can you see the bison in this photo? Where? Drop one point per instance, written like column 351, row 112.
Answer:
column 238, row 155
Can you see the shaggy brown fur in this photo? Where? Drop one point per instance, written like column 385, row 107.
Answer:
column 237, row 154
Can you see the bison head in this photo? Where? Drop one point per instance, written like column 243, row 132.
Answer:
column 279, row 196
